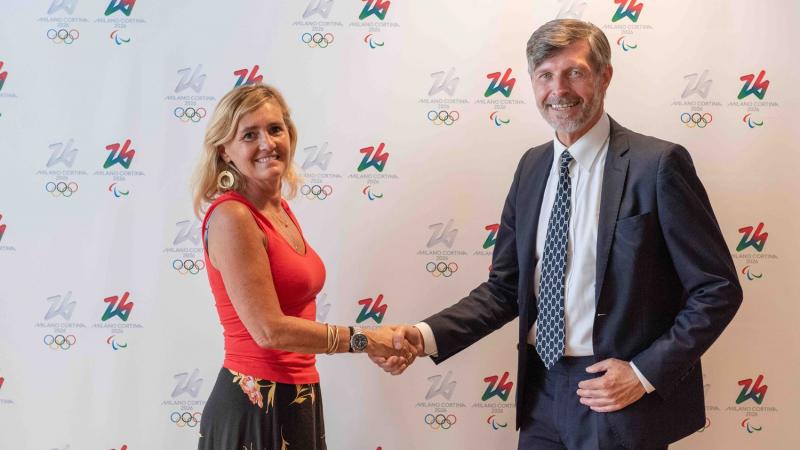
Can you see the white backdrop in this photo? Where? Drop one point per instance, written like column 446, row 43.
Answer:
column 83, row 369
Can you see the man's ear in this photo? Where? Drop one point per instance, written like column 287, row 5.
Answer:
column 607, row 73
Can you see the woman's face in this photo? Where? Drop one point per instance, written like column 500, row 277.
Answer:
column 260, row 148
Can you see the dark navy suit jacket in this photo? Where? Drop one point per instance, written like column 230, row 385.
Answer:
column 666, row 286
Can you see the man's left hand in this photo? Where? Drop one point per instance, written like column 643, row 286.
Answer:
column 617, row 388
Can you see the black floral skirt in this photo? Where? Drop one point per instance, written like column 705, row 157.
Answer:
column 247, row 413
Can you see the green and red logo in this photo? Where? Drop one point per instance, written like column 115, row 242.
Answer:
column 491, row 239
column 373, row 158
column 754, row 85
column 502, row 85
column 118, row 307
column 756, row 239
column 752, row 391
column 372, row 309
column 122, row 156
column 627, row 8
column 501, row 388
column 378, row 8
column 125, row 6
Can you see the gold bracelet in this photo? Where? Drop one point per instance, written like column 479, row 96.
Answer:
column 335, row 345
column 329, row 332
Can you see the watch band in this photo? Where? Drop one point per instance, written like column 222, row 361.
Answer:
column 350, row 340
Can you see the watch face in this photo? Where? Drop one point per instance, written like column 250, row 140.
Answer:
column 359, row 342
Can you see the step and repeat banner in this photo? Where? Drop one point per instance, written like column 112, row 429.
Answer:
column 411, row 117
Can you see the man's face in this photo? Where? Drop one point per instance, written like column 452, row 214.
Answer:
column 569, row 93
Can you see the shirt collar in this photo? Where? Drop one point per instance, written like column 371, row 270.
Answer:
column 586, row 149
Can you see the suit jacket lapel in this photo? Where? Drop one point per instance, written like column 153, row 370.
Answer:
column 614, row 174
column 530, row 202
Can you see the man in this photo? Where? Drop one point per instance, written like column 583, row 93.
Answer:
column 610, row 255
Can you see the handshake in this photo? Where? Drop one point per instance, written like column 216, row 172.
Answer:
column 394, row 347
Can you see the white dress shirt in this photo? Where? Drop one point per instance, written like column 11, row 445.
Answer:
column 586, row 173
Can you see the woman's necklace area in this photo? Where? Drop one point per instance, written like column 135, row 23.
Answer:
column 285, row 224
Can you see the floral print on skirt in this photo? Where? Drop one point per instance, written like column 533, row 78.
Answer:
column 248, row 413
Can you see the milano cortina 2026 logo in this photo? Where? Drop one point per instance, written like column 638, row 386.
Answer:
column 750, row 404
column 58, row 331
column 183, row 408
column 625, row 23
column 372, row 173
column 750, row 253
column 185, row 255
column 187, row 103
column 440, row 410
column 117, row 166
column 115, row 21
column 116, row 320
column 373, row 16
column 439, row 258
column 751, row 99
column 495, row 398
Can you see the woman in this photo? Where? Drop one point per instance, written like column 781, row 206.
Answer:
column 265, row 278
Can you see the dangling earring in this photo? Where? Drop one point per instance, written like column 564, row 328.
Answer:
column 225, row 180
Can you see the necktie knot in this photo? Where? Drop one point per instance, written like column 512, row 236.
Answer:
column 566, row 158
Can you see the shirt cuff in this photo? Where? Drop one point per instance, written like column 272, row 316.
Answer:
column 429, row 342
column 647, row 386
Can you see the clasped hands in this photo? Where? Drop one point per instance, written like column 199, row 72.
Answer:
column 394, row 347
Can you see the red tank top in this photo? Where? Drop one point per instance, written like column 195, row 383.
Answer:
column 297, row 278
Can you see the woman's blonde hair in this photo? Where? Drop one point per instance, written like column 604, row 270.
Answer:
column 221, row 130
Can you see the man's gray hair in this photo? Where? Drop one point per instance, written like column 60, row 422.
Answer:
column 553, row 36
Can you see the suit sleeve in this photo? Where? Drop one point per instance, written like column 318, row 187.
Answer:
column 704, row 266
column 493, row 303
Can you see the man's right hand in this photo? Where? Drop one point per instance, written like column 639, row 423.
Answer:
column 402, row 335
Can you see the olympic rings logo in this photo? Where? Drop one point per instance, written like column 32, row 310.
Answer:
column 187, row 114
column 317, row 39
column 316, row 191
column 440, row 421
column 188, row 266
column 61, row 188
column 696, row 119
column 59, row 341
column 185, row 419
column 62, row 35
column 441, row 269
column 443, row 117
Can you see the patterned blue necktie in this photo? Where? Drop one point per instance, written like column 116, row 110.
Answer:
column 550, row 326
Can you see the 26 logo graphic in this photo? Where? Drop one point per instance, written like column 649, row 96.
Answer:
column 627, row 8
column 246, row 77
column 757, row 87
column 491, row 239
column 125, row 6
column 317, row 156
column 118, row 307
column 500, row 389
column 60, row 306
column 442, row 234
column 123, row 156
column 188, row 230
column 320, row 7
column 441, row 386
column 757, row 239
column 377, row 7
column 187, row 384
column 750, row 391
column 373, row 158
column 697, row 85
column 2, row 228
column 3, row 76
column 502, row 85
column 571, row 9
column 62, row 153
column 191, row 79
column 66, row 5
column 444, row 82
column 374, row 310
